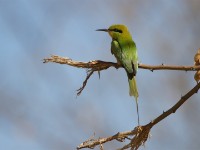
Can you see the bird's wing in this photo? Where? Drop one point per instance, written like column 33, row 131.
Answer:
column 116, row 50
column 126, row 56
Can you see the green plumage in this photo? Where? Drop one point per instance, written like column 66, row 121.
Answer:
column 126, row 54
column 124, row 49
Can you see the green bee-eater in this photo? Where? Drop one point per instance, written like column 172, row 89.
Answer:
column 124, row 49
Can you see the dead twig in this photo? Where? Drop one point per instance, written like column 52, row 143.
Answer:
column 90, row 72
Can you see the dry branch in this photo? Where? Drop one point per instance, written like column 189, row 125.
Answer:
column 98, row 65
column 140, row 134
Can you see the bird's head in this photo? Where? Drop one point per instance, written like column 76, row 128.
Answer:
column 117, row 32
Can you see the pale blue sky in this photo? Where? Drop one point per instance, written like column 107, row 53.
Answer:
column 38, row 105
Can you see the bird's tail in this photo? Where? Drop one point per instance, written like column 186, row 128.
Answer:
column 133, row 91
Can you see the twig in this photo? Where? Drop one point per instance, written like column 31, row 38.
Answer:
column 90, row 72
column 139, row 134
column 118, row 136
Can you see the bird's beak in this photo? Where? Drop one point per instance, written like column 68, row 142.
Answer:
column 105, row 30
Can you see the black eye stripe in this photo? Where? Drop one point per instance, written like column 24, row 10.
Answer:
column 116, row 30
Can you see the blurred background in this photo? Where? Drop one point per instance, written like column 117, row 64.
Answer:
column 39, row 109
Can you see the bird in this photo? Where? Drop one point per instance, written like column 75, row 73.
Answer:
column 124, row 49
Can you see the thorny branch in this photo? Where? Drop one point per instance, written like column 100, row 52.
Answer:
column 98, row 65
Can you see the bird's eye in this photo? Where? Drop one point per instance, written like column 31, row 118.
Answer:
column 117, row 30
